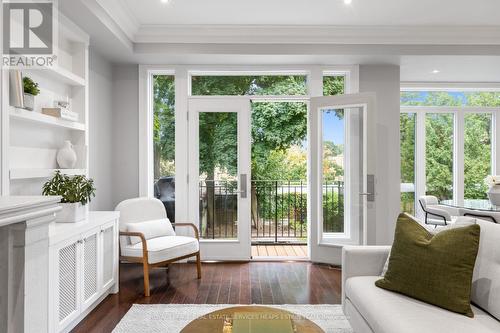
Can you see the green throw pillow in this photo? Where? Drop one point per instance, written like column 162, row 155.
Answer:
column 436, row 269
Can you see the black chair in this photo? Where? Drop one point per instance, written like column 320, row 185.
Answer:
column 165, row 192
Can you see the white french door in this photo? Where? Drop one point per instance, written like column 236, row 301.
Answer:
column 341, row 173
column 219, row 175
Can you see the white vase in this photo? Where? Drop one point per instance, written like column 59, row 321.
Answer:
column 72, row 212
column 66, row 156
column 494, row 195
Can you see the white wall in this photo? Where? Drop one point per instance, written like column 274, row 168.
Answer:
column 101, row 130
column 384, row 80
column 125, row 132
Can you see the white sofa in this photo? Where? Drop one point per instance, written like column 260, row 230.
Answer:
column 375, row 310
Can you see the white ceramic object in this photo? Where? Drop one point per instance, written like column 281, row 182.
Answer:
column 494, row 195
column 72, row 212
column 66, row 156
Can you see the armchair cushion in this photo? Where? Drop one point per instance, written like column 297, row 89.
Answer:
column 163, row 248
column 151, row 229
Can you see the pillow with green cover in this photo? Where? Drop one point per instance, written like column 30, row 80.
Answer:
column 434, row 268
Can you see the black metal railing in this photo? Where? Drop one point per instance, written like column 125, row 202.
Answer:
column 278, row 210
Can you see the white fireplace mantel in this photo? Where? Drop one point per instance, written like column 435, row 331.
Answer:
column 24, row 262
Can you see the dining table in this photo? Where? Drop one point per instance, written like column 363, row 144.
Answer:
column 478, row 208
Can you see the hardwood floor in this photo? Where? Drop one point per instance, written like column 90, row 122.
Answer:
column 222, row 283
column 279, row 251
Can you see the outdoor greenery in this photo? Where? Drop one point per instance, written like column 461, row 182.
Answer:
column 30, row 86
column 72, row 189
column 439, row 144
column 279, row 130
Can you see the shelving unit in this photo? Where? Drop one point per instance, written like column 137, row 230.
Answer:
column 43, row 119
column 42, row 173
column 33, row 138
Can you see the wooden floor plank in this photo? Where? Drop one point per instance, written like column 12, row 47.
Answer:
column 233, row 283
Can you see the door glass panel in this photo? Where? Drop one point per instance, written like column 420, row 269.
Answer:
column 164, row 141
column 218, row 170
column 477, row 154
column 439, row 155
column 333, row 143
column 407, row 141
column 342, row 173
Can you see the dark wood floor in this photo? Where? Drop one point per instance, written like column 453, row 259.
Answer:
column 227, row 283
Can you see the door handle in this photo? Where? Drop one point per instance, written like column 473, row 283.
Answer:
column 243, row 185
column 365, row 193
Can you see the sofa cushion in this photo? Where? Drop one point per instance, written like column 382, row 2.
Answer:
column 486, row 278
column 433, row 268
column 163, row 248
column 150, row 229
column 390, row 312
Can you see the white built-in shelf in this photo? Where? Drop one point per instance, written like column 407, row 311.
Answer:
column 64, row 75
column 41, row 118
column 42, row 173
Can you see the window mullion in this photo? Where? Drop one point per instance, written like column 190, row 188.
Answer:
column 420, row 161
column 458, row 157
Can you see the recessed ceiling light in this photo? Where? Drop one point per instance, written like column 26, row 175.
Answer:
column 164, row 1
column 347, row 2
column 435, row 71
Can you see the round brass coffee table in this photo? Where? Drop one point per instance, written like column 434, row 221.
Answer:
column 251, row 319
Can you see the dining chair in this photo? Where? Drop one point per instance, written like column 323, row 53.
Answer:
column 148, row 237
column 435, row 214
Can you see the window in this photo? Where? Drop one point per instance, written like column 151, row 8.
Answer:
column 333, row 85
column 454, row 131
column 229, row 85
column 407, row 141
column 164, row 141
column 439, row 155
column 477, row 154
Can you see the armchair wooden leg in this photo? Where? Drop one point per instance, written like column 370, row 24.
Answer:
column 145, row 266
column 198, row 265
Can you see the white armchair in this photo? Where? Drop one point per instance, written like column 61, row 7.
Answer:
column 435, row 214
column 148, row 237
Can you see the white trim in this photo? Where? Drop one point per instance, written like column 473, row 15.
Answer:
column 317, row 34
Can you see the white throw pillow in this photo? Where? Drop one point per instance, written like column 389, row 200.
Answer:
column 151, row 229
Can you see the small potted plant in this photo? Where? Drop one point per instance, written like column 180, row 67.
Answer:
column 30, row 89
column 76, row 193
column 494, row 189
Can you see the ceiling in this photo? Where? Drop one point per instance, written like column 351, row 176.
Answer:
column 459, row 38
column 314, row 12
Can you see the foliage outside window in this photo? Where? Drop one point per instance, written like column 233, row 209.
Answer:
column 477, row 154
column 164, row 126
column 407, row 141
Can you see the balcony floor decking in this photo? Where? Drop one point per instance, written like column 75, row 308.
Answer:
column 292, row 251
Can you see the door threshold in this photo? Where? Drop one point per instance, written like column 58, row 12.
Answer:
column 278, row 258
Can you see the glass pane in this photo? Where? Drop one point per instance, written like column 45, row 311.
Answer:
column 407, row 135
column 450, row 98
column 439, row 155
column 209, row 85
column 218, row 160
column 333, row 170
column 477, row 154
column 164, row 141
column 333, row 85
column 279, row 171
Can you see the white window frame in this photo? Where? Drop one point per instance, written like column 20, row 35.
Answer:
column 459, row 113
column 183, row 74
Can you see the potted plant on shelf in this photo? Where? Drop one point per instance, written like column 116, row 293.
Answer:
column 494, row 189
column 76, row 193
column 30, row 89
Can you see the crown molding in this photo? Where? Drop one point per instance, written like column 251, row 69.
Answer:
column 122, row 15
column 293, row 34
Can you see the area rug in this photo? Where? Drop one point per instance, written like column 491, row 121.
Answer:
column 172, row 318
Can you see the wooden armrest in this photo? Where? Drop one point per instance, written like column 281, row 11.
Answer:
column 143, row 240
column 187, row 224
